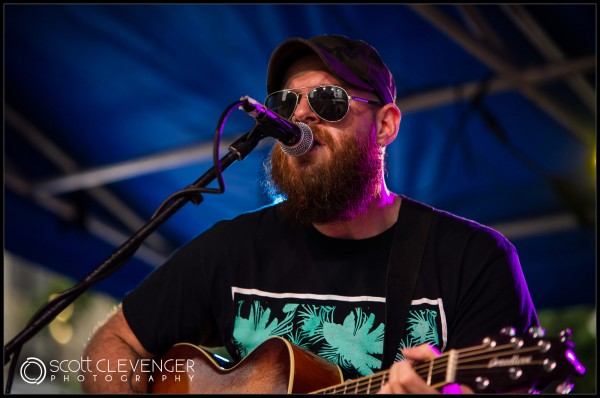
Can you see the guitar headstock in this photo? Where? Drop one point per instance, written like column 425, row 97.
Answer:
column 508, row 362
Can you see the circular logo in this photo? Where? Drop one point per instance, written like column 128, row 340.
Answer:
column 26, row 370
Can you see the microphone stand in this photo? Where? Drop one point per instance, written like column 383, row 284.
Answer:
column 237, row 151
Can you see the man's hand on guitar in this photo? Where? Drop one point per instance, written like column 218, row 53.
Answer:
column 404, row 380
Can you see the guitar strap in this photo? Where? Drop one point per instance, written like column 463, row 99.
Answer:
column 408, row 246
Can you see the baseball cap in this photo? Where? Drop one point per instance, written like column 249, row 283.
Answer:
column 353, row 61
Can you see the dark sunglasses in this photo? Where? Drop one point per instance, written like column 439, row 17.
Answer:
column 330, row 103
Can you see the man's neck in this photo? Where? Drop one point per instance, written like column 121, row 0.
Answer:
column 381, row 214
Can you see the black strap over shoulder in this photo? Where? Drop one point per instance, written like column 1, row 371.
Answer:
column 406, row 254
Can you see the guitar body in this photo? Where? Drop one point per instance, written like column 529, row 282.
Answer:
column 274, row 367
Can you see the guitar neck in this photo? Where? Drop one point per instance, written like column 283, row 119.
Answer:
column 436, row 372
column 494, row 366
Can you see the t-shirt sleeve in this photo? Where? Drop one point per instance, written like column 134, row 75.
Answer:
column 171, row 305
column 494, row 292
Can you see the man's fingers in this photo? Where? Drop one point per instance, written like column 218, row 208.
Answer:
column 421, row 352
column 404, row 379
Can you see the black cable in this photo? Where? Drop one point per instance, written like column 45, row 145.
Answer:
column 194, row 192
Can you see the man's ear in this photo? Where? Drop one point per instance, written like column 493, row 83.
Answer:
column 388, row 124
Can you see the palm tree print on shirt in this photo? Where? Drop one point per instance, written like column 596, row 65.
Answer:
column 422, row 328
column 353, row 345
column 250, row 332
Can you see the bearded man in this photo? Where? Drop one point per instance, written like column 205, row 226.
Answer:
column 312, row 270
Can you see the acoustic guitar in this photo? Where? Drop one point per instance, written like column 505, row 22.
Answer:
column 499, row 364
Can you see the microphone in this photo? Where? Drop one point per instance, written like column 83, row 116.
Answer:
column 295, row 139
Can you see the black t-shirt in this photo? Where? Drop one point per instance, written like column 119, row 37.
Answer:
column 260, row 275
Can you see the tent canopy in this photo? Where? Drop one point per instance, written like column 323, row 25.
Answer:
column 109, row 109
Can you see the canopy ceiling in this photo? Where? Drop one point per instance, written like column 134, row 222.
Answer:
column 109, row 109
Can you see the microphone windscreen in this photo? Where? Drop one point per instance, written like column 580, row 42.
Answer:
column 306, row 142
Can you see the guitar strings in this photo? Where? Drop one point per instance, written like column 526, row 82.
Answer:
column 379, row 379
column 469, row 354
column 480, row 366
column 435, row 367
column 361, row 385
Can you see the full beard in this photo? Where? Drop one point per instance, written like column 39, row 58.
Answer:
column 336, row 190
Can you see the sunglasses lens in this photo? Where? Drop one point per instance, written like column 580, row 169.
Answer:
column 329, row 102
column 282, row 103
